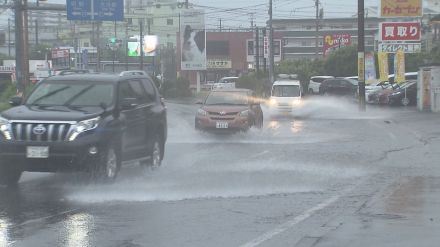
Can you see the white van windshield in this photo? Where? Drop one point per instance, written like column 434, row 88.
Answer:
column 286, row 91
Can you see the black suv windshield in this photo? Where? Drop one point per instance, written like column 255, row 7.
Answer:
column 72, row 94
column 227, row 98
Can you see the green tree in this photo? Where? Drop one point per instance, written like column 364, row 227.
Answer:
column 304, row 68
column 342, row 63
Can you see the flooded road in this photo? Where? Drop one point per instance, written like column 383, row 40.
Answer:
column 292, row 183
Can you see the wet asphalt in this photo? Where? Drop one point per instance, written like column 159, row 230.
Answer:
column 328, row 176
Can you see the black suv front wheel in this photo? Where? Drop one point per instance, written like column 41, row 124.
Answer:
column 108, row 167
column 9, row 176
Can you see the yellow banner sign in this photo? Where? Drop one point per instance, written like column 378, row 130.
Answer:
column 383, row 66
column 400, row 67
column 361, row 66
column 401, row 8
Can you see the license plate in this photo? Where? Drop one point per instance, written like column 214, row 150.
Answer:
column 37, row 152
column 222, row 125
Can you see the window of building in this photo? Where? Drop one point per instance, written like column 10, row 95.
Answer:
column 250, row 48
column 277, row 47
column 86, row 44
column 170, row 22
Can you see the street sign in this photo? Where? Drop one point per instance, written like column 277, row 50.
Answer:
column 401, row 8
column 400, row 31
column 60, row 53
column 405, row 47
column 95, row 10
column 266, row 47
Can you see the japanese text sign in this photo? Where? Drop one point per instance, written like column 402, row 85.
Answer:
column 400, row 31
column 335, row 41
column 400, row 8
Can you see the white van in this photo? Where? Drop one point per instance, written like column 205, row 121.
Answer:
column 286, row 95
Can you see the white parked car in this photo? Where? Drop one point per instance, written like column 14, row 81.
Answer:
column 315, row 82
column 285, row 96
column 225, row 82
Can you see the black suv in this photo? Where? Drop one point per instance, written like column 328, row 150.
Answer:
column 83, row 122
column 338, row 86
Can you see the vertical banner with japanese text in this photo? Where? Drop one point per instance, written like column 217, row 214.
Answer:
column 383, row 66
column 399, row 70
column 370, row 67
column 193, row 40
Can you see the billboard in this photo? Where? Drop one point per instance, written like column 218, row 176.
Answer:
column 193, row 40
column 335, row 41
column 150, row 44
column 401, row 8
column 400, row 31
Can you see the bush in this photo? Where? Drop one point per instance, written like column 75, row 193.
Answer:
column 178, row 88
column 252, row 82
column 7, row 91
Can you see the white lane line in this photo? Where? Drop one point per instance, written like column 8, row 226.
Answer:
column 260, row 154
column 289, row 224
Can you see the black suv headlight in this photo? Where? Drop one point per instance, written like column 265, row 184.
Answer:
column 83, row 126
column 5, row 128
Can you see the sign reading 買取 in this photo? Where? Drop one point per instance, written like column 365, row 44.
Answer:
column 401, row 8
column 400, row 31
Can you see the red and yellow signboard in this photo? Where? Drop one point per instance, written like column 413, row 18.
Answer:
column 335, row 41
column 400, row 31
column 401, row 8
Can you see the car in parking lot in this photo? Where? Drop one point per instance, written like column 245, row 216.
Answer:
column 83, row 122
column 229, row 110
column 315, row 82
column 339, row 87
column 225, row 82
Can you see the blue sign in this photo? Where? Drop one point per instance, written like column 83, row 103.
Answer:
column 95, row 10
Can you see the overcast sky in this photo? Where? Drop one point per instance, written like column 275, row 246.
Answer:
column 240, row 15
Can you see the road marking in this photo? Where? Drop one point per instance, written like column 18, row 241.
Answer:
column 289, row 224
column 260, row 154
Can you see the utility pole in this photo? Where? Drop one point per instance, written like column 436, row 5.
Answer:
column 264, row 58
column 361, row 55
column 36, row 24
column 141, row 34
column 220, row 24
column 98, row 46
column 21, row 46
column 126, row 46
column 186, row 4
column 317, row 30
column 271, row 48
column 257, row 50
column 9, row 37
column 114, row 50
